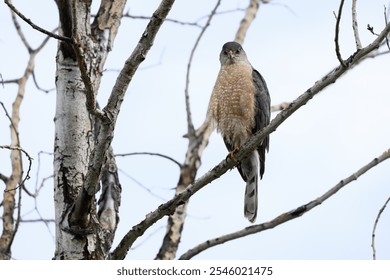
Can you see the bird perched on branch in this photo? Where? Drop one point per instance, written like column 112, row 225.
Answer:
column 239, row 107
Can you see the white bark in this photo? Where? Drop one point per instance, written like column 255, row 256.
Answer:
column 72, row 147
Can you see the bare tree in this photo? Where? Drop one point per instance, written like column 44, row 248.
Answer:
column 87, row 190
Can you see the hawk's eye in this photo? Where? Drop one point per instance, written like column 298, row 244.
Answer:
column 238, row 51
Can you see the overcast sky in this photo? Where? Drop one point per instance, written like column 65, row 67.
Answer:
column 292, row 44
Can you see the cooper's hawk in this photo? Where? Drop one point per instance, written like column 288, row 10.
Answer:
column 239, row 107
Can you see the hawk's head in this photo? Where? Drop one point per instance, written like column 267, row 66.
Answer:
column 232, row 52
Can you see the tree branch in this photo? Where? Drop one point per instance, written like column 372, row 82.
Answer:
column 169, row 207
column 36, row 27
column 111, row 110
column 336, row 39
column 188, row 170
column 196, row 24
column 151, row 154
column 82, row 46
column 190, row 125
column 250, row 15
column 285, row 217
column 30, row 159
column 355, row 26
column 374, row 229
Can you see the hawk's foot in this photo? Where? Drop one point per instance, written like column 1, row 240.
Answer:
column 231, row 154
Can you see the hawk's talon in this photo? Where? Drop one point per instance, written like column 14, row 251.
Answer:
column 231, row 154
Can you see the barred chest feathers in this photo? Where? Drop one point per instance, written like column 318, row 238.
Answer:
column 233, row 103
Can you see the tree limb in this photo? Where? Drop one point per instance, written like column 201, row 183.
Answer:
column 250, row 15
column 36, row 27
column 115, row 100
column 374, row 229
column 190, row 125
column 169, row 207
column 285, row 217
column 336, row 39
column 355, row 26
column 151, row 154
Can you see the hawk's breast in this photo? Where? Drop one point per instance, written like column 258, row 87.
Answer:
column 233, row 102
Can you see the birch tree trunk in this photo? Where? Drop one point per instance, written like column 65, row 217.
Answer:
column 79, row 233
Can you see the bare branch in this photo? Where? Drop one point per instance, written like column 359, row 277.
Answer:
column 386, row 22
column 250, row 15
column 142, row 186
column 285, row 217
column 188, row 23
column 38, row 87
column 151, row 154
column 11, row 122
column 46, row 221
column 37, row 190
column 10, row 226
column 190, row 125
column 226, row 164
column 117, row 95
column 336, row 39
column 81, row 45
column 20, row 32
column 355, row 26
column 4, row 178
column 30, row 159
column 374, row 229
column 36, row 27
column 196, row 24
column 13, row 81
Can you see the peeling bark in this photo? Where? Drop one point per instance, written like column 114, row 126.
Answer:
column 80, row 234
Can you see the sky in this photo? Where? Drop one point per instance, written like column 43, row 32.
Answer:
column 291, row 43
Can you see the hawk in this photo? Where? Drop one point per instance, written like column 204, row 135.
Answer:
column 239, row 107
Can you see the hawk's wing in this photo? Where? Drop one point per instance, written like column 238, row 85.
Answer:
column 262, row 114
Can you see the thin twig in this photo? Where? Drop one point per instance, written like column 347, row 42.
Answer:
column 11, row 122
column 142, row 186
column 336, row 39
column 128, row 15
column 39, row 167
column 4, row 178
column 187, row 23
column 37, row 85
column 190, row 125
column 30, row 159
column 20, row 33
column 386, row 22
column 13, row 81
column 37, row 190
column 37, row 221
column 36, row 27
column 287, row 216
column 374, row 229
column 150, row 154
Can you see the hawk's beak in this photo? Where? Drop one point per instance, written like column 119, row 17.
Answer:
column 230, row 54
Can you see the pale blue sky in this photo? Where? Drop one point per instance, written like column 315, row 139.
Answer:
column 291, row 44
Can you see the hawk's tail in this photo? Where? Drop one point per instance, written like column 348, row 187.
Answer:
column 250, row 172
